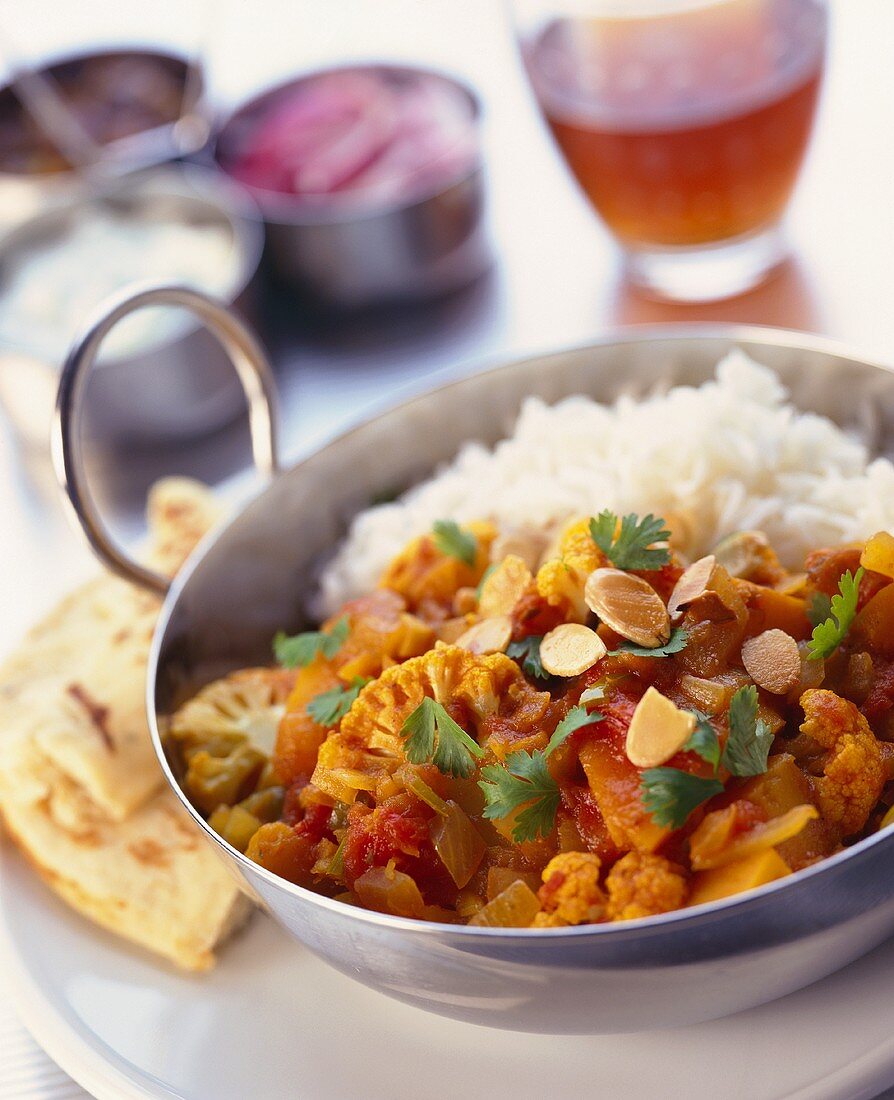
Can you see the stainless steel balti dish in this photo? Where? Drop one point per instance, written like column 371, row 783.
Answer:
column 255, row 574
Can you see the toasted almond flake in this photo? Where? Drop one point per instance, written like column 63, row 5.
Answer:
column 743, row 553
column 505, row 587
column 657, row 731
column 489, row 636
column 525, row 543
column 773, row 661
column 628, row 605
column 571, row 649
column 691, row 585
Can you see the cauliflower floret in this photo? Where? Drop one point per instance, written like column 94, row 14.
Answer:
column 561, row 580
column 429, row 579
column 642, row 884
column 571, row 893
column 854, row 774
column 369, row 738
column 382, row 634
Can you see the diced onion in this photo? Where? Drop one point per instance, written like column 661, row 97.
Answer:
column 458, row 843
column 389, row 891
column 516, row 907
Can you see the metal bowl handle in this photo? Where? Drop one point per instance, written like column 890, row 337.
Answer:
column 254, row 372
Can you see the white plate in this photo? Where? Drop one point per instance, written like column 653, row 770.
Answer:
column 272, row 1021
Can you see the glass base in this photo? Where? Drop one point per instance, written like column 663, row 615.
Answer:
column 709, row 272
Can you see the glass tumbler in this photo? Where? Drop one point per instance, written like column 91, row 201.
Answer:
column 685, row 122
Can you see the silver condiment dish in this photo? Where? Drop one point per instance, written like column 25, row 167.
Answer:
column 358, row 253
column 176, row 387
column 255, row 574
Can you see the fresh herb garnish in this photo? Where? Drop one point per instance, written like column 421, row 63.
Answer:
column 525, row 778
column 829, row 634
column 749, row 738
column 451, row 540
column 300, row 649
column 431, row 736
column 675, row 644
column 575, row 719
column 329, row 707
column 527, row 653
column 670, row 795
column 704, row 741
column 632, row 547
column 819, row 608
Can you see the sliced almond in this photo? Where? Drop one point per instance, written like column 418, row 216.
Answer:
column 691, row 585
column 489, row 636
column 773, row 661
column 505, row 586
column 450, row 629
column 657, row 731
column 629, row 605
column 571, row 649
column 745, row 553
column 525, row 543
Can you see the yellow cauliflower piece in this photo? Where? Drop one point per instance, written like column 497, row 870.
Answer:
column 429, row 579
column 854, row 774
column 642, row 884
column 382, row 633
column 561, row 580
column 571, row 893
column 369, row 739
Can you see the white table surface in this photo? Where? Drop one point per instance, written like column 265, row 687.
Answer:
column 556, row 281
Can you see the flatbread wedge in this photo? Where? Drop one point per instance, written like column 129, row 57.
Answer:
column 81, row 791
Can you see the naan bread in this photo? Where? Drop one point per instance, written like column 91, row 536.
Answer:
column 151, row 878
column 80, row 788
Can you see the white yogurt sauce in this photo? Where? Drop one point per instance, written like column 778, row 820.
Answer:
column 48, row 293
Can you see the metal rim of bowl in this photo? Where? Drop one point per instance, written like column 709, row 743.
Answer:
column 238, row 213
column 280, row 208
column 622, row 930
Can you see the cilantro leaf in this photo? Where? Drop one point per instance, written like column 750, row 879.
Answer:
column 704, row 741
column 630, row 548
column 329, row 707
column 677, row 642
column 575, row 719
column 451, row 540
column 828, row 635
column 527, row 653
column 525, row 780
column 670, row 795
column 431, row 736
column 300, row 649
column 819, row 608
column 749, row 738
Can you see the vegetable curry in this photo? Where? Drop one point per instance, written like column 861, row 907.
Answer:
column 506, row 736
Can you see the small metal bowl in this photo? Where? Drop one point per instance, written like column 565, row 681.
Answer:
column 682, row 967
column 175, row 388
column 355, row 254
column 27, row 191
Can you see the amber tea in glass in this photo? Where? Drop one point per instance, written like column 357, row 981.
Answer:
column 686, row 125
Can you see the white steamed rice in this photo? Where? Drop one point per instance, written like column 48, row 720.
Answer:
column 730, row 455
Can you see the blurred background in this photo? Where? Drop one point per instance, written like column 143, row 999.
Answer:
column 399, row 191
